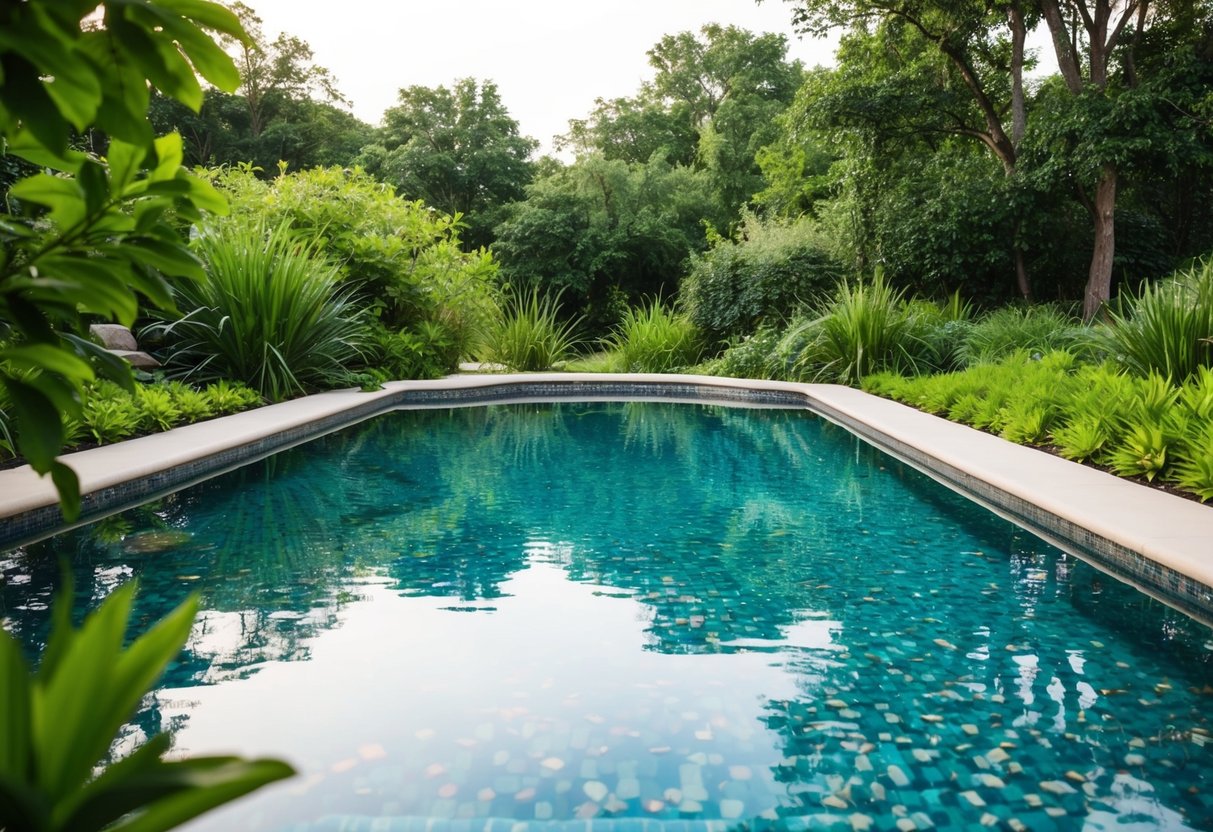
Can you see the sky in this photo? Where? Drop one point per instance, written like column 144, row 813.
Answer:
column 550, row 59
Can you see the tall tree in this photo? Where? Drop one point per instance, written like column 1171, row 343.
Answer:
column 456, row 149
column 712, row 103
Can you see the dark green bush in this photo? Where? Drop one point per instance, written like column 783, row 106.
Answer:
column 762, row 275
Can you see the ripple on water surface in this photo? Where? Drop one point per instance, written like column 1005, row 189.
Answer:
column 630, row 613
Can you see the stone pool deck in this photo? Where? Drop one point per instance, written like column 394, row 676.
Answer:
column 1161, row 543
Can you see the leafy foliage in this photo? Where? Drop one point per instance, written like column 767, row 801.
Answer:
column 763, row 274
column 1167, row 328
column 268, row 312
column 457, row 150
column 90, row 235
column 531, row 335
column 1042, row 328
column 655, row 339
column 59, row 723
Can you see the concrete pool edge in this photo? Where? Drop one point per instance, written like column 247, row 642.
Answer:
column 1158, row 542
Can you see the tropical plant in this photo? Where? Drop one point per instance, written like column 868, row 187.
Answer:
column 1166, row 328
column 267, row 312
column 866, row 327
column 654, row 339
column 60, row 720
column 110, row 419
column 531, row 335
column 81, row 235
column 227, row 396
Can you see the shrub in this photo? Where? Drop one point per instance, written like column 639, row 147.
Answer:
column 1167, row 328
column 227, row 396
column 530, row 335
column 865, row 328
column 267, row 313
column 428, row 351
column 654, row 339
column 1039, row 329
column 751, row 356
column 762, row 275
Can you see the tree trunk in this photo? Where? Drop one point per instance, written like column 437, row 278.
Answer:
column 1021, row 274
column 1099, row 279
column 1019, row 112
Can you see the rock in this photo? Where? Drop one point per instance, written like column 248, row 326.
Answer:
column 595, row 790
column 860, row 823
column 553, row 764
column 974, row 798
column 586, row 811
column 113, row 337
column 970, row 729
column 834, row 802
column 898, row 777
column 997, row 755
column 932, row 718
column 448, row 790
column 614, row 805
column 485, row 795
column 740, row 772
column 1135, row 760
column 525, row 795
column 654, row 805
column 690, row 807
column 1057, row 787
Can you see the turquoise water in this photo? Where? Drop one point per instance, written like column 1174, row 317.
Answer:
column 629, row 613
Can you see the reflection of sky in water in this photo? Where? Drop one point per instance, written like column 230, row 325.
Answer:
column 645, row 611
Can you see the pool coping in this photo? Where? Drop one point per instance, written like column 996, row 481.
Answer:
column 1160, row 543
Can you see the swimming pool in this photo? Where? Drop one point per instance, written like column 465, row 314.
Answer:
column 627, row 613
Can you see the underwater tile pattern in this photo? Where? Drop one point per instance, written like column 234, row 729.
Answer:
column 644, row 617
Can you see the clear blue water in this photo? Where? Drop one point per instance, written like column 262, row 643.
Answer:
column 644, row 612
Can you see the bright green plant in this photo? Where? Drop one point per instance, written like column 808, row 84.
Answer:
column 110, row 419
column 865, row 328
column 57, row 724
column 1167, row 328
column 654, row 339
column 751, row 356
column 156, row 407
column 192, row 405
column 1193, row 462
column 531, row 336
column 85, row 235
column 228, row 396
column 267, row 313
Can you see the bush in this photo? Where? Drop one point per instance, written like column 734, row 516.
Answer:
column 267, row 313
column 1039, row 329
column 751, row 356
column 1167, row 328
column 865, row 328
column 762, row 275
column 531, row 335
column 653, row 339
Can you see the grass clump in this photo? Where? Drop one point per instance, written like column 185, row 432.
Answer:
column 1166, row 328
column 530, row 335
column 268, row 313
column 654, row 339
column 1037, row 329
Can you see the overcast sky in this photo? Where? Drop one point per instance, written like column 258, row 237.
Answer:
column 550, row 58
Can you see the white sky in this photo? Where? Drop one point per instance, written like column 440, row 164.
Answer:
column 549, row 58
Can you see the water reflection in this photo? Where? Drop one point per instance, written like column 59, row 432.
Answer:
column 730, row 613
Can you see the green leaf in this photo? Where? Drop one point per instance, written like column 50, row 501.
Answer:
column 113, row 367
column 206, row 783
column 124, row 161
column 95, row 284
column 173, row 259
column 211, row 15
column 20, row 807
column 50, row 358
column 68, row 486
column 62, row 196
column 169, row 157
column 39, row 427
column 15, row 753
column 120, row 789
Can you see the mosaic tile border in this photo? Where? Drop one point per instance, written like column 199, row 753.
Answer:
column 1190, row 596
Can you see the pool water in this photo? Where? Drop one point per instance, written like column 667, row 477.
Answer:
column 648, row 617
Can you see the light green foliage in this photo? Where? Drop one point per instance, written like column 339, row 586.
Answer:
column 1138, row 427
column 268, row 313
column 764, row 273
column 112, row 413
column 655, row 339
column 531, row 335
column 401, row 258
column 59, row 722
column 599, row 228
column 87, row 235
column 192, row 405
column 1167, row 328
column 457, row 150
column 110, row 419
column 227, row 396
column 1042, row 328
column 427, row 352
column 864, row 328
column 156, row 408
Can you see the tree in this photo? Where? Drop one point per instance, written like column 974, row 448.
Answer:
column 457, row 150
column 712, row 104
column 606, row 232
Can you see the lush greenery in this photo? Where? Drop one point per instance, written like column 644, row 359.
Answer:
column 654, row 339
column 531, row 334
column 58, row 723
column 268, row 311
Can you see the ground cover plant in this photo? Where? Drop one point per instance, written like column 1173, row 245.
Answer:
column 531, row 334
column 1136, row 426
